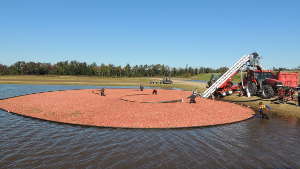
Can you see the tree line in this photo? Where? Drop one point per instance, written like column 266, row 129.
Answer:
column 106, row 70
column 103, row 70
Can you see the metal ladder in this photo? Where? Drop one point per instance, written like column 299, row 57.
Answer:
column 229, row 73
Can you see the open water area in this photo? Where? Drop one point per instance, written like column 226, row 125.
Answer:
column 31, row 143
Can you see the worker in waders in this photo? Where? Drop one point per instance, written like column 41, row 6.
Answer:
column 154, row 92
column 141, row 87
column 193, row 98
column 102, row 92
column 261, row 108
column 281, row 94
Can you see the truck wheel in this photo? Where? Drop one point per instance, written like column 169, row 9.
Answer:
column 267, row 92
column 252, row 88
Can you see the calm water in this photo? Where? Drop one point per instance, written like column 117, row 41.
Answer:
column 30, row 143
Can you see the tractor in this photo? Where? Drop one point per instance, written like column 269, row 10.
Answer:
column 165, row 80
column 266, row 84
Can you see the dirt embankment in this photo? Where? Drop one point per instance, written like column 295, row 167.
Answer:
column 291, row 109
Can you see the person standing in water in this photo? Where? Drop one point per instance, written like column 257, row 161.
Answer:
column 141, row 87
column 261, row 108
column 154, row 92
column 193, row 96
column 102, row 92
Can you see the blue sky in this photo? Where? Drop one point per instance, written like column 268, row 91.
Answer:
column 177, row 33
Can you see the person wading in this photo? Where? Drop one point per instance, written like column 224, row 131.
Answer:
column 102, row 92
column 261, row 108
column 193, row 97
column 154, row 92
column 141, row 87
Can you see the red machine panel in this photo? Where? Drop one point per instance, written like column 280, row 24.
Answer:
column 289, row 78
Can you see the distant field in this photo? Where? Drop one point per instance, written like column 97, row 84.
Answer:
column 97, row 81
column 207, row 76
column 203, row 76
column 23, row 79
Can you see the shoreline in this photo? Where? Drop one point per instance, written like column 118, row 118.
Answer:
column 280, row 110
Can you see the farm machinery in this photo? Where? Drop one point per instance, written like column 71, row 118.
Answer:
column 254, row 81
column 226, row 88
column 267, row 84
column 165, row 80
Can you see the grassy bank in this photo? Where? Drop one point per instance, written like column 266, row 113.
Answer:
column 207, row 76
column 283, row 110
column 70, row 80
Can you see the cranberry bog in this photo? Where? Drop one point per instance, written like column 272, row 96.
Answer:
column 126, row 108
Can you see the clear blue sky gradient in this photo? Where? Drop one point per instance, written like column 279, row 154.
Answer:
column 177, row 33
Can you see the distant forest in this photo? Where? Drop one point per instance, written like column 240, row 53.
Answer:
column 104, row 70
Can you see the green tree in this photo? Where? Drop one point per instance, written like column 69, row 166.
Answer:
column 3, row 70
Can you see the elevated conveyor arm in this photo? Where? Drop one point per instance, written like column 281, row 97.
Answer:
column 252, row 59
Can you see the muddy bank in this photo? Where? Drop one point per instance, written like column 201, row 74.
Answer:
column 283, row 110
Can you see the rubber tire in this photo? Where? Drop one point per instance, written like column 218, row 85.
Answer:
column 252, row 88
column 267, row 92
